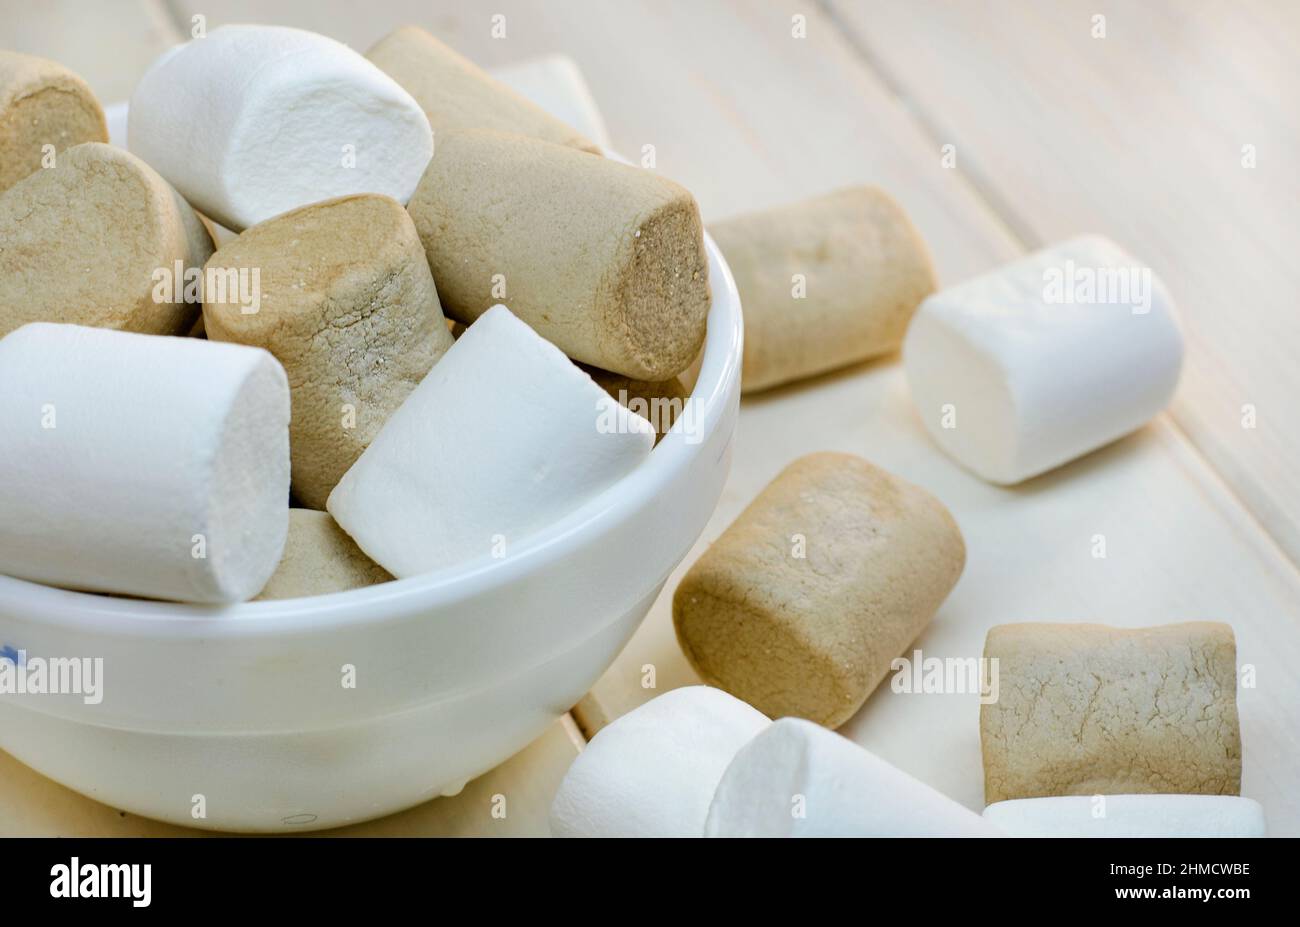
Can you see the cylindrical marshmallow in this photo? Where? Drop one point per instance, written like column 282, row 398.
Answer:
column 502, row 438
column 1129, row 816
column 1085, row 709
column 99, row 239
column 43, row 105
column 141, row 465
column 828, row 575
column 252, row 121
column 661, row 404
column 457, row 94
column 653, row 772
column 825, row 282
column 604, row 260
column 319, row 558
column 1043, row 360
column 797, row 779
column 555, row 83
column 345, row 301
column 115, row 117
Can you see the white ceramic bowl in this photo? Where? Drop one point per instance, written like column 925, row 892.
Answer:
column 455, row 670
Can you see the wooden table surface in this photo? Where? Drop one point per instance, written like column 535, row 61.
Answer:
column 1166, row 126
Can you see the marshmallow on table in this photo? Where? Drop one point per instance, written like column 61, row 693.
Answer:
column 253, row 121
column 457, row 94
column 502, row 438
column 1129, row 816
column 800, row 606
column 605, row 261
column 825, row 282
column 652, row 772
column 346, row 303
column 142, row 465
column 319, row 558
column 555, row 83
column 1043, row 360
column 797, row 779
column 99, row 239
column 42, row 103
column 1085, row 709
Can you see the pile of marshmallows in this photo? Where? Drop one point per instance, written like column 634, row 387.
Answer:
column 151, row 451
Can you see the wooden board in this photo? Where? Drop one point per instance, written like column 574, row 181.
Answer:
column 1140, row 135
column 747, row 116
column 510, row 801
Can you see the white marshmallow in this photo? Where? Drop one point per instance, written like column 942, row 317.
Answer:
column 253, row 121
column 1129, row 816
column 1043, row 360
column 115, row 117
column 555, row 83
column 141, row 464
column 503, row 437
column 652, row 772
column 797, row 779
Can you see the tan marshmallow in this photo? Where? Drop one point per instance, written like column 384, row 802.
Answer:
column 659, row 403
column 828, row 575
column 42, row 103
column 347, row 305
column 605, row 261
column 320, row 558
column 825, row 282
column 457, row 94
column 95, row 241
column 1085, row 709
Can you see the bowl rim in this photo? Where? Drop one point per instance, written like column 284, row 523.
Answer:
column 717, row 382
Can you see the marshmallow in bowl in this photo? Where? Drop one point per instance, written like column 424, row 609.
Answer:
column 99, row 239
column 797, row 779
column 555, row 83
column 319, row 558
column 457, row 94
column 43, row 106
column 347, row 304
column 1043, row 360
column 142, row 465
column 253, row 121
column 502, row 438
column 604, row 260
column 652, row 772
column 1129, row 816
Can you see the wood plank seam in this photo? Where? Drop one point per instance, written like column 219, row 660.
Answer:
column 930, row 127
column 1016, row 225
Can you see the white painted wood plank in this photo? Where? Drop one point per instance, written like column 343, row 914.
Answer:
column 739, row 111
column 1179, row 547
column 747, row 116
column 33, row 806
column 110, row 44
column 1140, row 135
